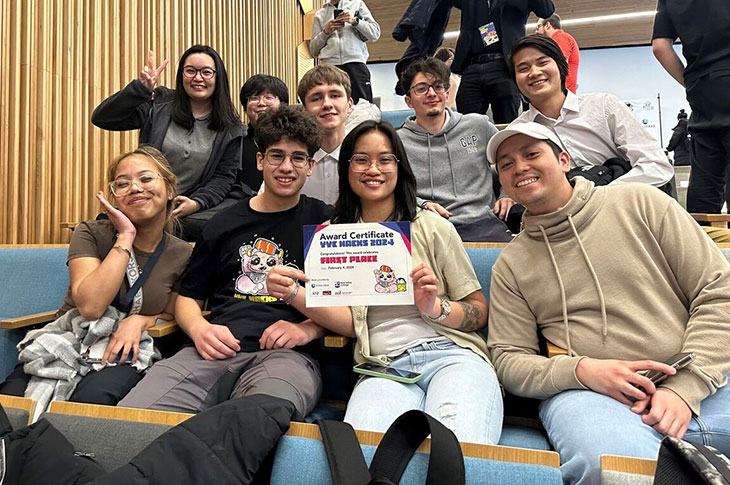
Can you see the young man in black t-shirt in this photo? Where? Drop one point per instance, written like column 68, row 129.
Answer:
column 252, row 343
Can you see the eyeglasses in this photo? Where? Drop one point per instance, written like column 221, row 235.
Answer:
column 266, row 98
column 277, row 157
column 360, row 163
column 422, row 88
column 146, row 181
column 206, row 72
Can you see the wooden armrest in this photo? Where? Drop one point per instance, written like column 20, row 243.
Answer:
column 715, row 220
column 554, row 350
column 162, row 329
column 28, row 320
column 24, row 403
column 69, row 225
column 335, row 341
column 118, row 413
column 168, row 327
column 627, row 464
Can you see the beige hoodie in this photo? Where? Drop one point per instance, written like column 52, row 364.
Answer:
column 619, row 272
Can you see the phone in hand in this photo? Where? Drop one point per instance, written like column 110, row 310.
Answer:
column 676, row 361
column 392, row 373
column 338, row 11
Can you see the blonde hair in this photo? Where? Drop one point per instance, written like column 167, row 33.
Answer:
column 323, row 74
column 163, row 168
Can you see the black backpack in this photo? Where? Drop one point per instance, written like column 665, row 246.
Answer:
column 347, row 464
column 683, row 462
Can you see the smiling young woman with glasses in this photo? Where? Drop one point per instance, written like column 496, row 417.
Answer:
column 127, row 265
column 194, row 125
column 437, row 335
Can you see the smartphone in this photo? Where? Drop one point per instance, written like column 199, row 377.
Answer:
column 338, row 11
column 677, row 361
column 393, row 373
column 97, row 360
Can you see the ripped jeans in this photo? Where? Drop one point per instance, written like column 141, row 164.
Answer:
column 458, row 387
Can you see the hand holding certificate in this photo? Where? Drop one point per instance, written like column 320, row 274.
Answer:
column 358, row 264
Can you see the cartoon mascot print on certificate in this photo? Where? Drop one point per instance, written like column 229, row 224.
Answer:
column 256, row 262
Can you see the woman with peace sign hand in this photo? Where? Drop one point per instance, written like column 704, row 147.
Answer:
column 195, row 126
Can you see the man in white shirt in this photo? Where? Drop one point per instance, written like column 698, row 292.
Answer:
column 594, row 128
column 325, row 92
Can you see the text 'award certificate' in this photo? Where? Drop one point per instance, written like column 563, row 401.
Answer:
column 358, row 264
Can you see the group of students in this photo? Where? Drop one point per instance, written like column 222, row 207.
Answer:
column 627, row 263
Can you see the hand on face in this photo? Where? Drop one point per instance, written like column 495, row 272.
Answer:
column 121, row 222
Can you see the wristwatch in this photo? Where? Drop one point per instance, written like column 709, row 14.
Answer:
column 445, row 311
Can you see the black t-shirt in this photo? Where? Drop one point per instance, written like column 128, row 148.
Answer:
column 485, row 15
column 703, row 26
column 232, row 256
column 249, row 173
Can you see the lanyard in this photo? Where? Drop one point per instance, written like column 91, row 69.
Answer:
column 131, row 301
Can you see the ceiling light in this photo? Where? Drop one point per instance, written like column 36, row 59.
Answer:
column 584, row 20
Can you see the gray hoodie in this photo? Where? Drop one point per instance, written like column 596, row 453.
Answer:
column 348, row 44
column 451, row 167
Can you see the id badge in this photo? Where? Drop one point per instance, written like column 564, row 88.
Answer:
column 489, row 34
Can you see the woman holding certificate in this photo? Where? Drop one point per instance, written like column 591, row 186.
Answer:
column 436, row 337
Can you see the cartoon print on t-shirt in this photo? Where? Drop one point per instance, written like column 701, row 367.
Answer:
column 256, row 261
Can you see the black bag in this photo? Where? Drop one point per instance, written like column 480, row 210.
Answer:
column 682, row 462
column 611, row 169
column 348, row 467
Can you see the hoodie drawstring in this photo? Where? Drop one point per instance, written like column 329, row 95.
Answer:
column 430, row 163
column 601, row 299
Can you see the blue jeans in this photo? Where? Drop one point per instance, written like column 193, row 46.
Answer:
column 458, row 388
column 583, row 425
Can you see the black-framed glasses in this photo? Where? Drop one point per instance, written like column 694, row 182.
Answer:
column 360, row 162
column 122, row 185
column 267, row 98
column 206, row 72
column 277, row 157
column 439, row 87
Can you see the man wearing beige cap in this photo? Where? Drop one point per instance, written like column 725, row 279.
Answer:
column 623, row 278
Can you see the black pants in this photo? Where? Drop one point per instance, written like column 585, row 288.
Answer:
column 360, row 80
column 710, row 149
column 108, row 386
column 485, row 84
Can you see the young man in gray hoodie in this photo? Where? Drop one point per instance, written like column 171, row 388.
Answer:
column 448, row 154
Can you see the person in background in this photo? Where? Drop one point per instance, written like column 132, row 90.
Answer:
column 702, row 27
column 195, row 126
column 260, row 93
column 438, row 335
column 679, row 143
column 448, row 156
column 101, row 255
column 446, row 55
column 605, row 141
column 551, row 27
column 487, row 32
column 340, row 40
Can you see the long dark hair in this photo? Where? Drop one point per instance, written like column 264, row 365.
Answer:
column 224, row 114
column 348, row 208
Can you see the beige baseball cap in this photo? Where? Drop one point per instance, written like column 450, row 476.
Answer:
column 530, row 128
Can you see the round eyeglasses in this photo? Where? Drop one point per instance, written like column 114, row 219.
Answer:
column 360, row 163
column 266, row 98
column 422, row 88
column 123, row 185
column 206, row 72
column 277, row 157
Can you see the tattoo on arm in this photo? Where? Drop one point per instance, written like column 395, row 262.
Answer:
column 471, row 319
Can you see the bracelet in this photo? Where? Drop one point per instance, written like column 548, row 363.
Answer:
column 123, row 248
column 293, row 295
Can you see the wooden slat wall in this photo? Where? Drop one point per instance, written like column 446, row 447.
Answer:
column 629, row 32
column 62, row 57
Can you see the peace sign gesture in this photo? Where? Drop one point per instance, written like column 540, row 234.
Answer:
column 149, row 74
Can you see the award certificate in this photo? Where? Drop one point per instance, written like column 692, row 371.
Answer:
column 358, row 264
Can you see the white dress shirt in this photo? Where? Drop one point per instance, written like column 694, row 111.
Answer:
column 323, row 184
column 598, row 126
